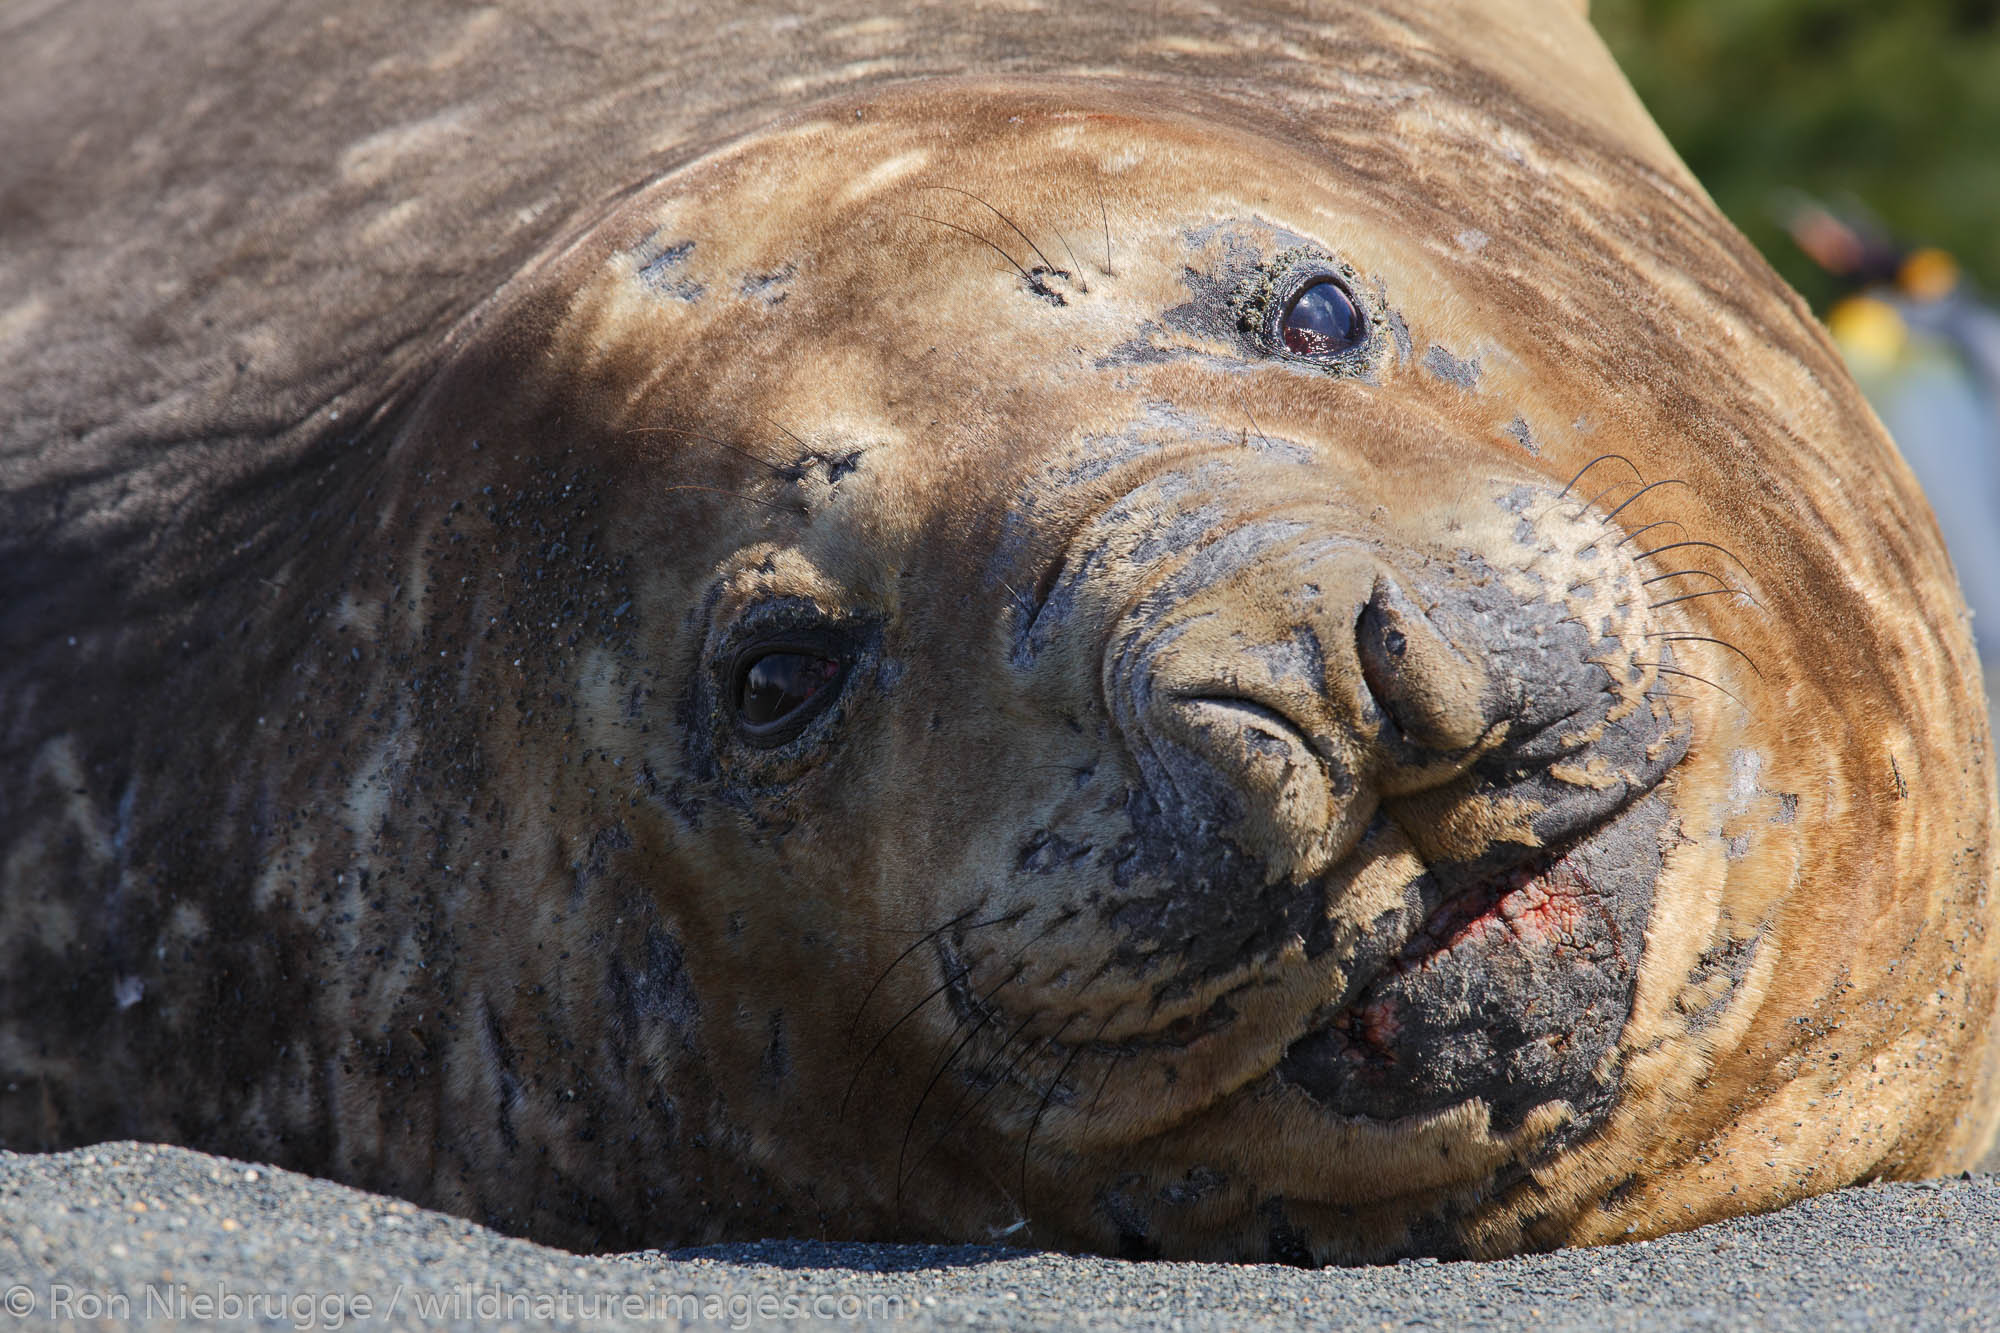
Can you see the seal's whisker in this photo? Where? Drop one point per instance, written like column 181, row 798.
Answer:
column 1670, row 481
column 738, row 450
column 1647, row 527
column 1103, row 967
column 1252, row 419
column 1683, row 573
column 986, row 1013
column 789, row 433
column 929, row 935
column 1035, row 284
column 983, row 1008
column 964, row 1109
column 1026, row 603
column 1111, row 1060
column 1666, row 670
column 1675, row 546
column 1048, row 1095
column 1051, row 1040
column 996, row 1081
column 1082, row 284
column 889, row 1031
column 1585, row 507
column 910, row 1124
column 992, row 1084
column 947, row 983
column 1105, row 214
column 1712, row 592
column 1703, row 638
column 1046, row 261
column 811, row 454
column 1601, row 458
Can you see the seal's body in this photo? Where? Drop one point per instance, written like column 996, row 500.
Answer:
column 1242, row 637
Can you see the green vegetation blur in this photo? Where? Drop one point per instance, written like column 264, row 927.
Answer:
column 1891, row 105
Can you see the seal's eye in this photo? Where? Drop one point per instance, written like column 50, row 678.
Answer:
column 1321, row 321
column 779, row 691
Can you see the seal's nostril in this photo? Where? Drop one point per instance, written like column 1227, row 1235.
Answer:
column 1254, row 776
column 1422, row 683
column 1381, row 648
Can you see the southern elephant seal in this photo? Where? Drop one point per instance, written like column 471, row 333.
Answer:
column 1250, row 634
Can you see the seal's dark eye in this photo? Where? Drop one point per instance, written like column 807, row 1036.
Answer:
column 778, row 692
column 1321, row 321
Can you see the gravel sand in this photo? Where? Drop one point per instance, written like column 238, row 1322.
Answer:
column 134, row 1233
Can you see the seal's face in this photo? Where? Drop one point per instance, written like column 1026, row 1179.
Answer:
column 1177, row 726
column 1163, row 680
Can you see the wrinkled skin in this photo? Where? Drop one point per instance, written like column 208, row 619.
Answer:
column 1516, row 780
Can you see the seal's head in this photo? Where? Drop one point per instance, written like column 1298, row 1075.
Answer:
column 1170, row 683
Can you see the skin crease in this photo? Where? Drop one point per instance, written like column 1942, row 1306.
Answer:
column 1171, row 869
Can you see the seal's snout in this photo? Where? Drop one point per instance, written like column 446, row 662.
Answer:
column 1315, row 700
column 1427, row 687
column 1294, row 677
column 1278, row 716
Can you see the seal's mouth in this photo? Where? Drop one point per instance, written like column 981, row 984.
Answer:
column 1512, row 991
column 1545, row 895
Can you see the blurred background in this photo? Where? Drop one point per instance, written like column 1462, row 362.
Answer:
column 1857, row 143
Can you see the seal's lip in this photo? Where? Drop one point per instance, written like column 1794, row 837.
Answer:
column 1513, row 991
column 1509, row 896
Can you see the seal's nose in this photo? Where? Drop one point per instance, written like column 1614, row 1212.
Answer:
column 1289, row 692
column 1259, row 779
column 1428, row 688
column 1281, row 686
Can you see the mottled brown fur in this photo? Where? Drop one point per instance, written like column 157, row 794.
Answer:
column 400, row 430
